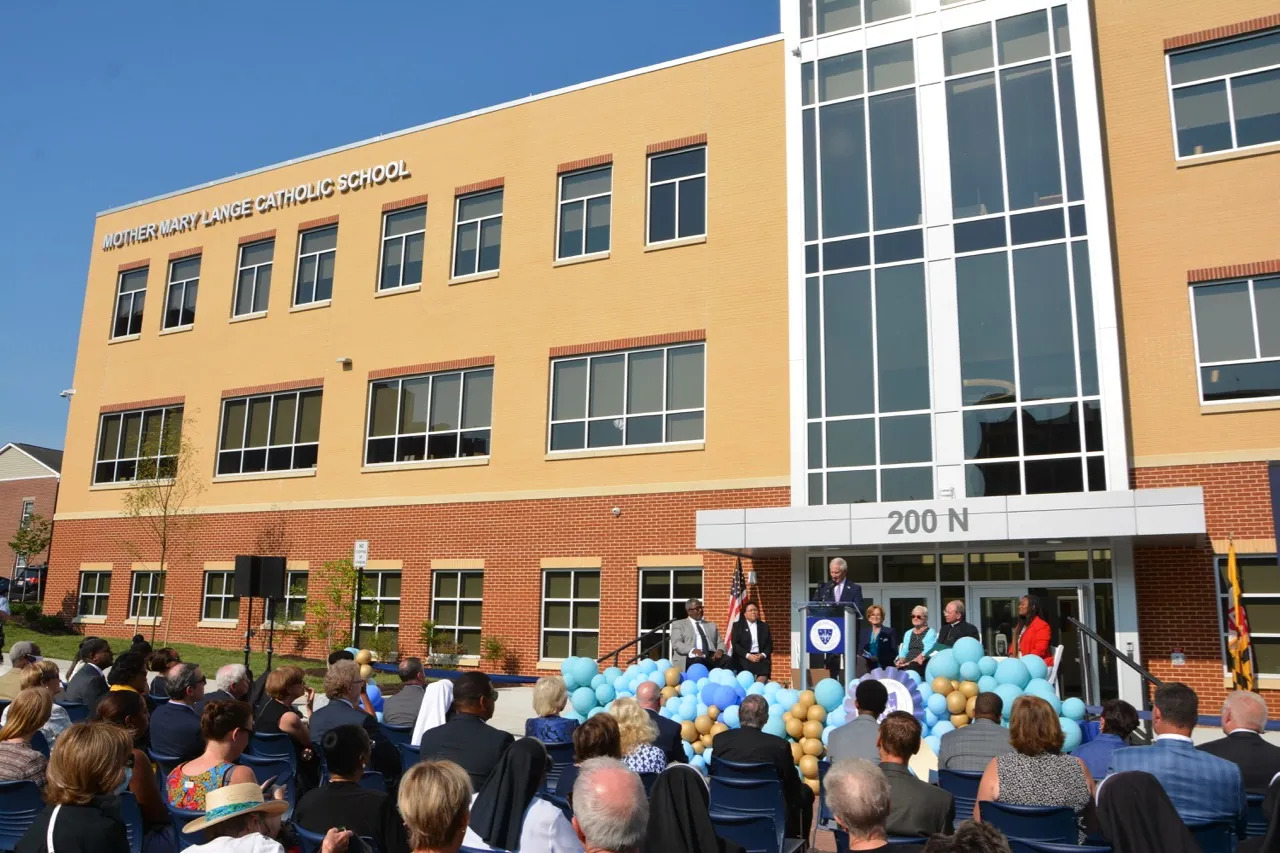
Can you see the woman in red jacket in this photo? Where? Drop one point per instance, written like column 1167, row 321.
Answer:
column 1033, row 635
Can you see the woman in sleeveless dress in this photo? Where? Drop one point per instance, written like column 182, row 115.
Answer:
column 226, row 728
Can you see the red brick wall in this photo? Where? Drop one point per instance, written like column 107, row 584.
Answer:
column 12, row 494
column 1176, row 589
column 512, row 537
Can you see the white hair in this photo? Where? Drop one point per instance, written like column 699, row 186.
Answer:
column 232, row 673
column 839, row 561
column 1248, row 710
column 858, row 794
column 610, row 805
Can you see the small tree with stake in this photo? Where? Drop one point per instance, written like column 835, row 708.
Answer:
column 32, row 538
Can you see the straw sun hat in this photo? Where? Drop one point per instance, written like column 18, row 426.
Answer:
column 230, row 801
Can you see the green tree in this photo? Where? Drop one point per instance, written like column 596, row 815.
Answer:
column 32, row 538
column 331, row 604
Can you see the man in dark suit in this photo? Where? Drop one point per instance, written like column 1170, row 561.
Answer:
column 344, row 686
column 231, row 684
column 90, row 684
column 669, row 741
column 840, row 589
column 751, row 643
column 468, row 740
column 175, row 725
column 954, row 627
column 749, row 745
column 1244, row 718
column 917, row 809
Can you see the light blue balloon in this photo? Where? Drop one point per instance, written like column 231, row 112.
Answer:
column 988, row 665
column 925, row 687
column 836, row 718
column 594, row 711
column 826, row 734
column 969, row 670
column 621, row 682
column 746, row 679
column 598, row 679
column 829, row 693
column 915, row 676
column 756, row 689
column 374, row 692
column 688, row 749
column 942, row 728
column 776, row 727
column 583, row 699
column 605, row 694
column 699, row 764
column 986, row 684
column 1007, row 693
column 935, row 743
column 930, row 719
column 378, row 715
column 1072, row 735
column 697, row 671
column 574, row 715
column 771, row 689
column 612, row 674
column 967, row 650
column 706, row 756
column 353, row 650
column 1036, row 666
column 688, row 688
column 944, row 664
column 1012, row 671
column 567, row 672
column 633, row 670
column 701, row 682
column 787, row 698
column 663, row 665
column 730, row 717
column 624, row 694
column 1073, row 709
column 1042, row 689
column 776, row 710
column 937, row 703
column 586, row 670
column 672, row 703
column 702, row 709
column 647, row 666
column 658, row 679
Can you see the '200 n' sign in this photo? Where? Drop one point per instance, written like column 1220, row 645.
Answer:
column 915, row 521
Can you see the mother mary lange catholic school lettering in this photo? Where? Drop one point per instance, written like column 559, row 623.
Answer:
column 245, row 207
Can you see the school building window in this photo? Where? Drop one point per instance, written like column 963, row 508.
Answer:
column 1260, row 595
column 457, row 601
column 271, row 432
column 678, row 195
column 180, row 302
column 317, row 254
column 95, row 588
column 570, row 613
column 434, row 416
column 404, row 233
column 220, row 601
column 146, row 599
column 138, row 445
column 379, row 607
column 477, row 241
column 131, row 294
column 253, row 278
column 663, row 593
column 585, row 203
column 294, row 607
column 1237, row 327
column 1226, row 95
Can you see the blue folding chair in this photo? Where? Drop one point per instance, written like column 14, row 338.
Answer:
column 40, row 744
column 741, row 770
column 1032, row 823
column 409, row 756
column 20, row 803
column 564, row 784
column 310, row 841
column 754, row 833
column 561, row 755
column 77, row 712
column 397, row 734
column 166, row 763
column 267, row 768
column 465, row 849
column 278, row 745
column 962, row 785
column 1255, row 818
column 1021, row 845
column 907, row 839
column 374, row 781
column 132, row 821
column 1213, row 837
column 180, row 818
column 751, row 797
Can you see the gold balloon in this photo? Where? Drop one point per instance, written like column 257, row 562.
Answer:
column 955, row 702
column 807, row 698
column 809, row 767
column 688, row 731
column 795, row 728
column 702, row 724
column 698, row 746
column 955, row 685
column 817, row 713
column 968, row 706
column 813, row 746
column 800, row 711
column 705, row 739
column 969, row 689
column 364, row 656
column 959, row 720
column 713, row 712
column 667, row 693
column 786, row 717
column 673, row 677
column 814, row 785
column 796, row 753
column 941, row 685
column 813, row 729
column 366, row 671
column 717, row 729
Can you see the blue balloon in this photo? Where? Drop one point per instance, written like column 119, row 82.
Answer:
column 663, row 665
column 658, row 679
column 771, row 689
column 624, row 694
column 1073, row 709
column 586, row 670
column 826, row 734
column 596, row 710
column 374, row 692
column 702, row 708
column 828, row 693
column 967, row 650
column 930, row 719
column 688, row 688
column 942, row 728
column 699, row 764
column 1071, row 733
column 672, row 703
column 915, row 676
column 1007, row 693
column 633, row 670
column 730, row 717
column 756, row 689
column 353, row 650
column 574, row 715
column 702, row 682
column 567, row 672
column 598, row 679
column 697, row 671
column 987, row 684
column 1036, row 666
column 739, row 693
column 787, row 698
column 612, row 674
column 944, row 664
column 937, row 703
column 1013, row 671
column 605, row 694
column 987, row 665
column 621, row 682
column 776, row 727
column 583, row 700
column 836, row 718
column 776, row 710
column 935, row 743
column 688, row 749
column 746, row 679
column 969, row 670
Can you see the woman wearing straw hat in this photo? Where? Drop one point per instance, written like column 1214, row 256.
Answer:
column 238, row 820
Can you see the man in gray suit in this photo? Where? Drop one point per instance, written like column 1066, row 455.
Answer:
column 973, row 746
column 694, row 640
column 857, row 738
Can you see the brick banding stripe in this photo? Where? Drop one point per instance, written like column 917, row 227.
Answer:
column 432, row 367
column 1223, row 32
column 253, row 390
column 412, row 201
column 253, row 238
column 186, row 253
column 631, row 343
column 491, row 184
column 318, row 223
column 134, row 265
column 575, row 165
column 142, row 404
column 673, row 144
column 1233, row 271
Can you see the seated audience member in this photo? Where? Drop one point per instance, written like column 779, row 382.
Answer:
column 917, row 644
column 85, row 769
column 918, row 809
column 1202, row 787
column 175, row 725
column 226, row 728
column 610, row 809
column 638, row 734
column 857, row 737
column 128, row 672
column 21, row 655
column 139, row 645
column 44, row 674
column 334, row 657
column 1036, row 773
column 230, row 683
column 345, row 689
column 1137, row 816
column 1244, row 719
column 751, row 643
column 1119, row 719
column 402, row 708
column 748, row 744
column 468, row 740
column 436, row 708
column 508, row 814
column 1032, row 634
column 160, row 661
column 858, row 796
column 128, row 710
column 954, row 627
column 669, row 740
column 27, row 715
column 341, row 802
column 89, row 684
column 549, row 698
column 973, row 746
column 877, row 644
column 240, row 821
column 598, row 737
column 435, row 803
column 970, row 837
column 679, row 819
column 285, row 686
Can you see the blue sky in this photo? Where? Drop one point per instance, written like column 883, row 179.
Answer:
column 103, row 104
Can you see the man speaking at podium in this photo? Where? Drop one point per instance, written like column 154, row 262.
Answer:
column 840, row 589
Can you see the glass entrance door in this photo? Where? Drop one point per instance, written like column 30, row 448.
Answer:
column 997, row 610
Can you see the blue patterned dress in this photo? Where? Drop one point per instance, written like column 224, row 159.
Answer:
column 550, row 729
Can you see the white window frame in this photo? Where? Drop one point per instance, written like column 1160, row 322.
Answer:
column 479, row 222
column 297, row 272
column 224, row 602
column 587, row 418
column 706, row 193
column 291, row 578
column 1246, row 598
column 293, row 445
column 96, row 596
column 1227, row 80
column 456, row 628
column 1257, row 341
column 379, row 577
column 572, row 630
column 134, row 297
column 257, row 277
column 462, row 396
column 151, row 598
column 166, row 413
column 676, row 608
column 181, row 284
column 402, row 239
column 585, row 201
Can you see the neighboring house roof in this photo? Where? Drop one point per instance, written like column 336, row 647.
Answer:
column 46, row 456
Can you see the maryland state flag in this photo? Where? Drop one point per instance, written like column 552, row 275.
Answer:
column 1238, row 642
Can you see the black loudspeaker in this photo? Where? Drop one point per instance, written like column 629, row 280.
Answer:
column 259, row 577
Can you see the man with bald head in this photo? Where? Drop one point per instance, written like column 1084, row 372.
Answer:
column 610, row 809
column 1244, row 719
column 669, row 741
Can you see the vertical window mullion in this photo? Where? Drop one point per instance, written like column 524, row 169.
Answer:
column 1253, row 319
column 626, row 374
column 1228, row 86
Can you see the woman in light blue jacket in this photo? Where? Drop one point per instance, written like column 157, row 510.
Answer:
column 918, row 642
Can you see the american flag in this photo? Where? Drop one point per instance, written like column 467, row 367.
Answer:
column 737, row 595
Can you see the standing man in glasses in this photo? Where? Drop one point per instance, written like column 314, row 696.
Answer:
column 841, row 590
column 695, row 640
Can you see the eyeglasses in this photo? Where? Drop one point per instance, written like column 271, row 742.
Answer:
column 493, row 695
column 917, row 615
column 203, row 681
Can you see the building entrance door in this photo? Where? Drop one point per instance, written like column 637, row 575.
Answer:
column 997, row 611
